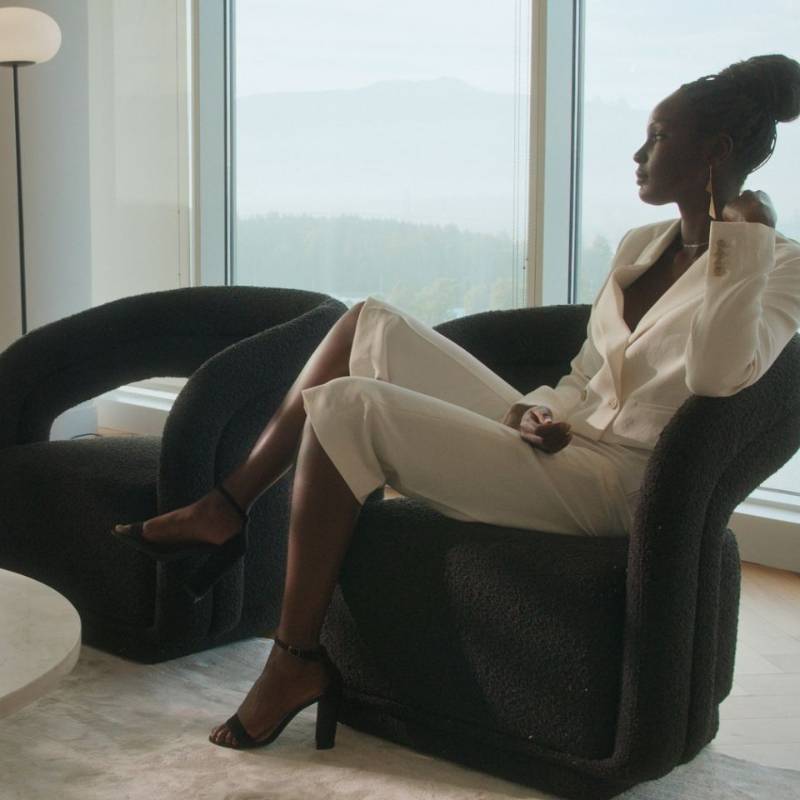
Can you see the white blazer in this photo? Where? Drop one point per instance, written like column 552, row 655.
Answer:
column 715, row 331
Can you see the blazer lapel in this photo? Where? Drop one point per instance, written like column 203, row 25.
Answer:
column 614, row 336
column 626, row 274
column 688, row 285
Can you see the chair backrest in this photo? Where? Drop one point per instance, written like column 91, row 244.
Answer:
column 527, row 347
column 712, row 454
column 682, row 564
column 157, row 334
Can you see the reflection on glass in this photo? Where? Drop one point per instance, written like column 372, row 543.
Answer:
column 382, row 150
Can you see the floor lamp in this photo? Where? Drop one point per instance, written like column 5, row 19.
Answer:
column 27, row 37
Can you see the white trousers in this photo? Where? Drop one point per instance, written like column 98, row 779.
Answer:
column 421, row 414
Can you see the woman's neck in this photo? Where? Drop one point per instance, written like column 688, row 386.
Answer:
column 695, row 217
column 695, row 221
column 695, row 230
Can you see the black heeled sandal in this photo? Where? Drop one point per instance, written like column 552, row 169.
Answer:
column 327, row 710
column 222, row 556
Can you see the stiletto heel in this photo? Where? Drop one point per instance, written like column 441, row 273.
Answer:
column 221, row 557
column 327, row 716
column 216, row 565
column 328, row 705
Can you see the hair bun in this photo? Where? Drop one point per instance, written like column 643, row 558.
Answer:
column 772, row 80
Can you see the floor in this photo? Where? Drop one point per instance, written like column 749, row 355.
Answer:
column 760, row 719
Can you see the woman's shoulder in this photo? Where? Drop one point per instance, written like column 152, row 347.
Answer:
column 786, row 248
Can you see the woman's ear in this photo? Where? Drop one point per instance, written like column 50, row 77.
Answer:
column 721, row 149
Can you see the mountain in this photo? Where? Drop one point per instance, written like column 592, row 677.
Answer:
column 442, row 152
column 438, row 152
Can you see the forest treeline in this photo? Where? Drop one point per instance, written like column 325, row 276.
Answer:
column 434, row 272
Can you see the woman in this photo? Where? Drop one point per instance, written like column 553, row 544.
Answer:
column 385, row 399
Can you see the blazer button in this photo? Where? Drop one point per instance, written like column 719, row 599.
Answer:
column 613, row 402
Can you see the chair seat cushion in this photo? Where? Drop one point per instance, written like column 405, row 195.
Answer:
column 516, row 631
column 59, row 502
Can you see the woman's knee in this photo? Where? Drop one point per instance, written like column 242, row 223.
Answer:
column 355, row 310
column 343, row 396
column 350, row 389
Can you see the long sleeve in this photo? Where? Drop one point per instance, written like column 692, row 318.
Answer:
column 750, row 308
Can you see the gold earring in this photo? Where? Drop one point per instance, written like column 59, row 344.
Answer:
column 712, row 209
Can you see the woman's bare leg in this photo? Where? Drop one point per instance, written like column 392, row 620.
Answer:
column 322, row 518
column 211, row 518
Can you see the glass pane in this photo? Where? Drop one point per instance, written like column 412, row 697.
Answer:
column 381, row 149
column 626, row 75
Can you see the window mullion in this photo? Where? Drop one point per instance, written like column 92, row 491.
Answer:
column 554, row 178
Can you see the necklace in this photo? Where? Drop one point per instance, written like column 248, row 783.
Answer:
column 698, row 244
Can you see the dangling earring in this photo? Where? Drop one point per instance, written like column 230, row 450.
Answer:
column 712, row 209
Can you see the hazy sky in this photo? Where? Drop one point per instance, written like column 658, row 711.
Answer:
column 300, row 45
column 639, row 50
column 642, row 51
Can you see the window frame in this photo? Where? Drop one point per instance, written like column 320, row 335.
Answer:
column 554, row 186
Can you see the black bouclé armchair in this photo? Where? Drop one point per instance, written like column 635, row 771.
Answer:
column 581, row 666
column 241, row 349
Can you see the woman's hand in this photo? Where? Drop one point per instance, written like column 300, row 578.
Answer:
column 751, row 207
column 536, row 426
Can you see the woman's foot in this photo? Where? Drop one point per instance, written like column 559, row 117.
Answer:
column 211, row 519
column 286, row 682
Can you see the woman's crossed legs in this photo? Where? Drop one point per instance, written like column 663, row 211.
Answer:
column 372, row 363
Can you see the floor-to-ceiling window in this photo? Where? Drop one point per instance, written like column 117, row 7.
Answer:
column 382, row 148
column 635, row 55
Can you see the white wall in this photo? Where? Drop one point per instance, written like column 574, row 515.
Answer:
column 105, row 145
column 55, row 170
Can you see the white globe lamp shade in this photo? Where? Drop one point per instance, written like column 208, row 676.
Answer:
column 27, row 36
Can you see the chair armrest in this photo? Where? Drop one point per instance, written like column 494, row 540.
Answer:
column 226, row 403
column 525, row 346
column 156, row 334
column 212, row 426
column 710, row 456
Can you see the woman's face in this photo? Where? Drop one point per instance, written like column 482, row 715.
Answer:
column 672, row 164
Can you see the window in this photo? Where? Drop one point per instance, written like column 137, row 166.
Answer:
column 382, row 149
column 626, row 75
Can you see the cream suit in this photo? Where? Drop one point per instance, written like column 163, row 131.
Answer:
column 715, row 331
column 419, row 413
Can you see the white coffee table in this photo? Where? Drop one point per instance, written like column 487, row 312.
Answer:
column 40, row 640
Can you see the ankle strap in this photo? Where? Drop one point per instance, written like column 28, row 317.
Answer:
column 232, row 500
column 317, row 654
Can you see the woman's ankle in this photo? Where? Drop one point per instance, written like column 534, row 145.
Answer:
column 296, row 639
column 214, row 514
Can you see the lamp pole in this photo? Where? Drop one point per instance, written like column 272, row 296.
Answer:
column 23, row 301
column 27, row 36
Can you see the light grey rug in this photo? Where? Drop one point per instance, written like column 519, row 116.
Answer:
column 116, row 729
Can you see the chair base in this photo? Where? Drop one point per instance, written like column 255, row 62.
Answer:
column 473, row 747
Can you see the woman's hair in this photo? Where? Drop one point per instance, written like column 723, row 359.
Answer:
column 746, row 100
